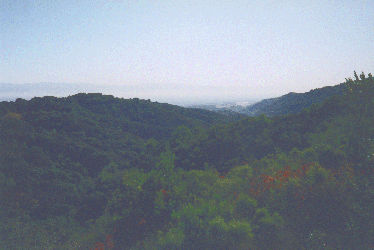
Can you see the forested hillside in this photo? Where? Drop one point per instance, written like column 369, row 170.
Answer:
column 292, row 103
column 96, row 172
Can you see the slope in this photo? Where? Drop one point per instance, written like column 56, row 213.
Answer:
column 292, row 103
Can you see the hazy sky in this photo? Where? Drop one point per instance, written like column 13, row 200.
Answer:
column 192, row 48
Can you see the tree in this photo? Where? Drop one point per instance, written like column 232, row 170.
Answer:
column 362, row 76
column 356, row 77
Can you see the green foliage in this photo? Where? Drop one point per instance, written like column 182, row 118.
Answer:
column 224, row 235
column 245, row 206
column 269, row 228
column 92, row 171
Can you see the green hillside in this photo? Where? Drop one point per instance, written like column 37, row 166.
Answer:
column 292, row 103
column 96, row 172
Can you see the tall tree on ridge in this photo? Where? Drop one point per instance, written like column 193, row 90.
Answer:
column 356, row 77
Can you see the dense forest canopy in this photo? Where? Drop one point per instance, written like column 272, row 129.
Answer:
column 92, row 171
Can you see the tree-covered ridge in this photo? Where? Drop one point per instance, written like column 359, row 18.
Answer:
column 94, row 129
column 140, row 116
column 302, row 181
column 292, row 103
column 253, row 138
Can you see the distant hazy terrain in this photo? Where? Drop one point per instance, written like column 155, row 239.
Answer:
column 238, row 107
column 166, row 93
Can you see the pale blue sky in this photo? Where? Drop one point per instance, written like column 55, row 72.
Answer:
column 195, row 48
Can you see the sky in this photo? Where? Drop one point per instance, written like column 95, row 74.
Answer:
column 184, row 50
